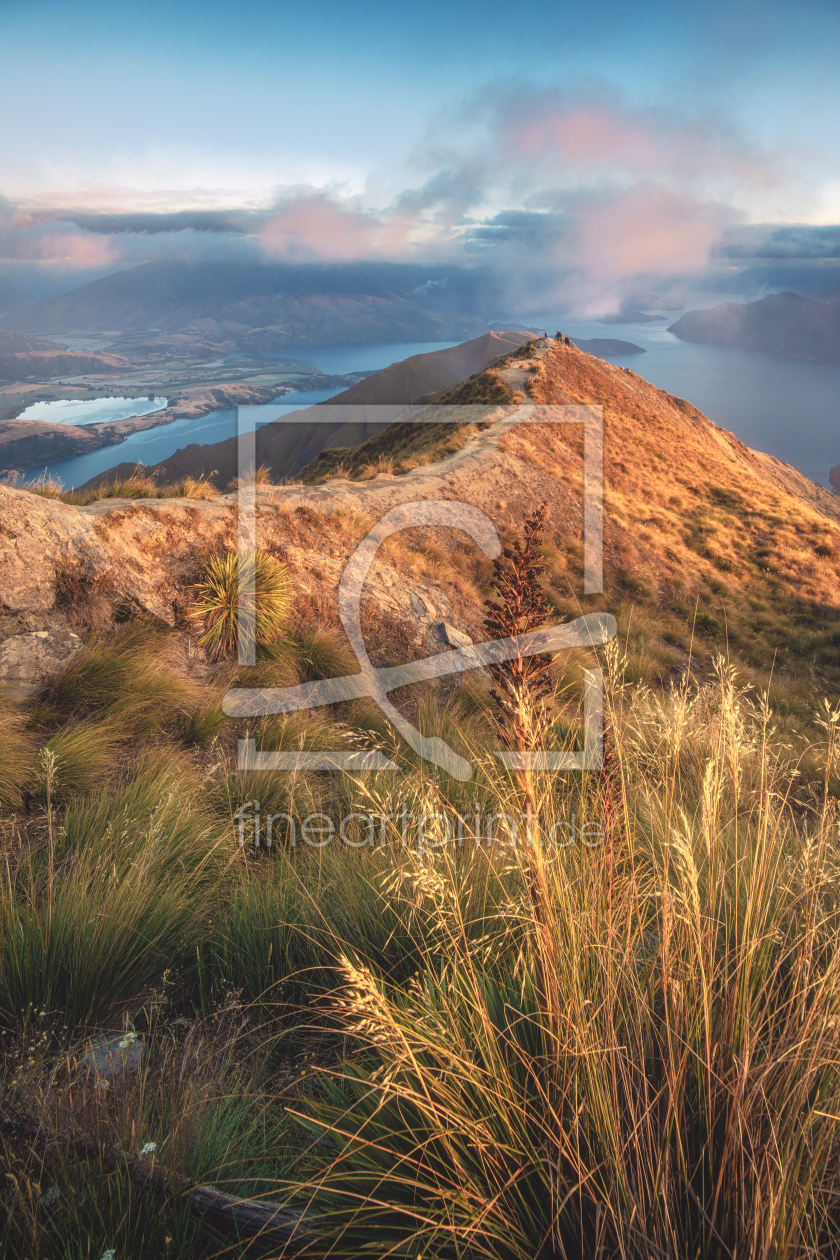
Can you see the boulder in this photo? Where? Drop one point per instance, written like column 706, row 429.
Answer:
column 114, row 1054
column 454, row 638
column 27, row 660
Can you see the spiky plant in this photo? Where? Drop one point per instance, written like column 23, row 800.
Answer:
column 241, row 594
column 522, row 683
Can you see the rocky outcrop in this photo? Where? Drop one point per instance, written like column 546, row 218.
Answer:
column 145, row 550
column 26, row 660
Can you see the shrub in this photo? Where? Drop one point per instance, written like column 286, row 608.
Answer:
column 709, row 625
column 252, row 596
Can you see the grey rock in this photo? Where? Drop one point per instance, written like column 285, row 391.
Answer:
column 455, row 638
column 114, row 1054
column 29, row 659
column 422, row 606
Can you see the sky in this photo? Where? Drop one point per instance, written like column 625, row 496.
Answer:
column 605, row 151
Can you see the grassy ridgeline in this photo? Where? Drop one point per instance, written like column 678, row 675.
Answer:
column 631, row 1047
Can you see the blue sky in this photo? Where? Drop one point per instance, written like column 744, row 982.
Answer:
column 613, row 143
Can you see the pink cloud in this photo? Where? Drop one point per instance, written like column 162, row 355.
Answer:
column 648, row 229
column 313, row 228
column 23, row 238
column 586, row 136
column 74, row 251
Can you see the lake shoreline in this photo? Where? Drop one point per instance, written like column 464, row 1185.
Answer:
column 24, row 443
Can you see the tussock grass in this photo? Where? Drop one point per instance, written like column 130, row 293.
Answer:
column 88, row 933
column 261, row 476
column 322, row 654
column 138, row 486
column 646, row 1062
column 520, row 1051
column 86, row 752
column 17, row 756
column 127, row 683
column 87, row 602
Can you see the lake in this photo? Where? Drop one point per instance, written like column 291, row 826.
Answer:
column 787, row 407
column 91, row 410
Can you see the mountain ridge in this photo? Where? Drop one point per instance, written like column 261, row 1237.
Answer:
column 706, row 549
column 268, row 307
column 284, row 446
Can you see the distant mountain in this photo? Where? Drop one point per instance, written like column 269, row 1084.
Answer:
column 630, row 316
column 777, row 277
column 25, row 358
column 266, row 308
column 285, row 446
column 607, row 345
column 783, row 323
column 829, row 295
column 421, row 374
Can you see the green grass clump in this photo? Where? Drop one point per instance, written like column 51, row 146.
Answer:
column 86, row 753
column 88, row 927
column 123, row 690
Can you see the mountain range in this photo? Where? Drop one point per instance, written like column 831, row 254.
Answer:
column 267, row 308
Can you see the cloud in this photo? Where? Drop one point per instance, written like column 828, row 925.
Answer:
column 789, row 241
column 144, row 222
column 59, row 244
column 573, row 199
column 310, row 227
column 646, row 229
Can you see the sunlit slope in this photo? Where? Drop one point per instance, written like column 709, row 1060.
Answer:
column 707, row 545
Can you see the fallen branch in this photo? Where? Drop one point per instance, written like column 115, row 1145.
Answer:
column 245, row 1218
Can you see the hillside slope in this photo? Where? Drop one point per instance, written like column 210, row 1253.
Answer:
column 421, row 374
column 706, row 549
column 284, row 447
column 783, row 323
column 25, row 358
